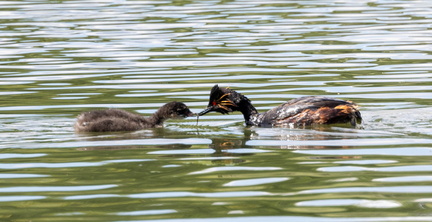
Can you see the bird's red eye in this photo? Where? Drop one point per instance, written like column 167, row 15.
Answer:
column 214, row 103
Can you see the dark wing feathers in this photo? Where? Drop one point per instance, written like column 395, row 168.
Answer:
column 311, row 103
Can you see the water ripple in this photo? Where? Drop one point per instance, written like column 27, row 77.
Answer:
column 411, row 151
column 253, row 182
column 351, row 202
column 147, row 212
column 227, row 168
column 393, row 189
column 54, row 188
column 378, row 169
column 20, row 198
column 65, row 165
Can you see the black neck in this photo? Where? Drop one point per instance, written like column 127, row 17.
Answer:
column 246, row 108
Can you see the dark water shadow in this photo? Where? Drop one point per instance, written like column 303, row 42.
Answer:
column 227, row 138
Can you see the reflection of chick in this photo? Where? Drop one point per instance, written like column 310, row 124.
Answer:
column 303, row 111
column 121, row 120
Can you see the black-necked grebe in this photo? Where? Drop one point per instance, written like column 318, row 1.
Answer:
column 121, row 120
column 303, row 111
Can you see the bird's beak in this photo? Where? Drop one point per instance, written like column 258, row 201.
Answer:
column 209, row 109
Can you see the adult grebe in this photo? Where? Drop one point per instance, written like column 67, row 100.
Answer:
column 303, row 111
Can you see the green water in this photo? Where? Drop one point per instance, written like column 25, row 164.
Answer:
column 59, row 58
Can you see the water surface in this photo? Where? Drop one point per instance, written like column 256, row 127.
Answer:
column 59, row 58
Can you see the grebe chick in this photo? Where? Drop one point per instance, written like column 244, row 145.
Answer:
column 120, row 120
column 304, row 111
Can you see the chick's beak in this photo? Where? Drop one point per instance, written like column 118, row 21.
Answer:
column 190, row 114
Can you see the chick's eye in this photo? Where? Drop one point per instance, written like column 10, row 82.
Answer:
column 214, row 103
